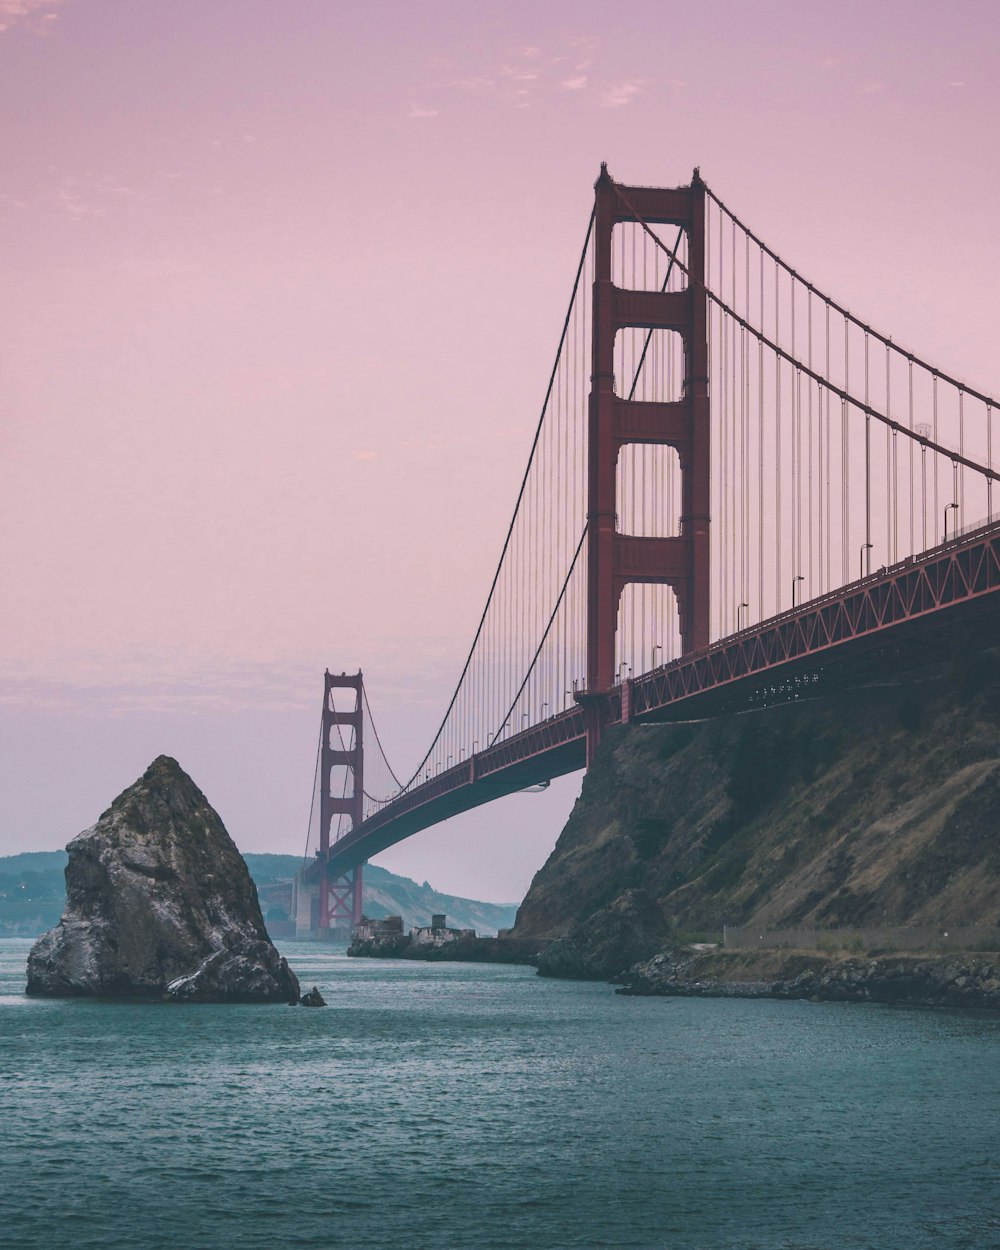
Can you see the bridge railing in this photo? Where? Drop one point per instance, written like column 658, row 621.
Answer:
column 558, row 730
column 946, row 574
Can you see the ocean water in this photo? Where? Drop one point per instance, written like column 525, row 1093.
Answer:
column 470, row 1107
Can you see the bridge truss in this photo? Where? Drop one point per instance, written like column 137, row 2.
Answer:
column 849, row 500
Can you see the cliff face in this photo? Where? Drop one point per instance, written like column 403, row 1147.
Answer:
column 876, row 806
column 160, row 902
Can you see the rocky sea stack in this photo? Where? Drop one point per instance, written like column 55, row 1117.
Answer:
column 159, row 903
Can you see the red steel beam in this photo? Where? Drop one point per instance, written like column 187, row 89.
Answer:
column 921, row 589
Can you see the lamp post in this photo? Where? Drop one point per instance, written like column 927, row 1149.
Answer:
column 795, row 580
column 946, row 511
column 652, row 657
column 861, row 560
column 739, row 609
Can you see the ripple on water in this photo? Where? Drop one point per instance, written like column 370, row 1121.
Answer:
column 481, row 1108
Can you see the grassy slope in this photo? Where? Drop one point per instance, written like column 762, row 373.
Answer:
column 878, row 806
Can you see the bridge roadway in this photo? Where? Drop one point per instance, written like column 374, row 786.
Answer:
column 898, row 618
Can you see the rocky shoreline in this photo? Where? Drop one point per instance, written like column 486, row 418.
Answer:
column 958, row 980
column 477, row 950
column 966, row 980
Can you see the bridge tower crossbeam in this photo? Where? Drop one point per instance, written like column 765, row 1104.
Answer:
column 615, row 559
column 340, row 892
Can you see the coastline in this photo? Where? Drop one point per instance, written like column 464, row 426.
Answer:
column 474, row 950
column 958, row 980
column 964, row 979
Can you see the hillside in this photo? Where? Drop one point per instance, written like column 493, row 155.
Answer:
column 877, row 806
column 32, row 893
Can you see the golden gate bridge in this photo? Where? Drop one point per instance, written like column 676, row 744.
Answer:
column 738, row 492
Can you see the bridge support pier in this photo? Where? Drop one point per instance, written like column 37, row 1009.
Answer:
column 615, row 559
column 340, row 894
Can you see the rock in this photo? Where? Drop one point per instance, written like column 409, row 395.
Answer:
column 160, row 903
column 838, row 811
column 628, row 930
column 247, row 974
column 918, row 981
column 312, row 998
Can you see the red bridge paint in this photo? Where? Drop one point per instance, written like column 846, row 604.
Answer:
column 884, row 618
column 615, row 559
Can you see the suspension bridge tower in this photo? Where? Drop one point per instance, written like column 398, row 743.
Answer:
column 615, row 559
column 341, row 746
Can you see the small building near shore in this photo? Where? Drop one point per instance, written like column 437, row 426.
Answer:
column 437, row 932
column 381, row 927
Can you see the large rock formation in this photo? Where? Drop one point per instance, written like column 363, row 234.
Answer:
column 628, row 930
column 160, row 903
column 875, row 806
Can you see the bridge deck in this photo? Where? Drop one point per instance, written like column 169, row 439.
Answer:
column 896, row 616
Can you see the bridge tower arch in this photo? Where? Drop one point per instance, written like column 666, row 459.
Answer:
column 340, row 893
column 615, row 559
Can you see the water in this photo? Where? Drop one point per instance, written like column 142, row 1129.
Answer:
column 469, row 1107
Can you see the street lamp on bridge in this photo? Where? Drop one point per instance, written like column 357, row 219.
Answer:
column 946, row 511
column 652, row 656
column 795, row 580
column 740, row 608
column 861, row 560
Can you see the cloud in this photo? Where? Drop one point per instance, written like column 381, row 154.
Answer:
column 872, row 88
column 366, row 455
column 418, row 114
column 528, row 73
column 473, row 84
column 957, row 83
column 73, row 205
column 90, row 195
column 518, row 74
column 14, row 11
column 617, row 97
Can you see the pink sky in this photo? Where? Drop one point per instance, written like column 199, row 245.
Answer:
column 282, row 287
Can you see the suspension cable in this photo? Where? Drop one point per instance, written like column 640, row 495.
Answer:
column 957, row 457
column 517, row 506
column 378, row 740
column 548, row 627
column 848, row 316
column 312, row 802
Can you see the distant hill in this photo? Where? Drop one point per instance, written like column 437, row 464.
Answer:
column 32, row 894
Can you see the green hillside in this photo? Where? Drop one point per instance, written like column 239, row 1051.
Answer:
column 32, row 894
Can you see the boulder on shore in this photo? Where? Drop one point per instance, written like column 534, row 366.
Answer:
column 629, row 929
column 159, row 903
